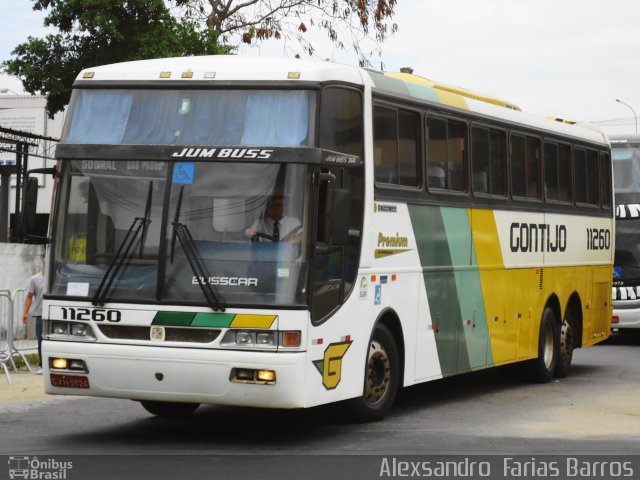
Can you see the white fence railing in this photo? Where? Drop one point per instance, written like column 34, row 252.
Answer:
column 15, row 337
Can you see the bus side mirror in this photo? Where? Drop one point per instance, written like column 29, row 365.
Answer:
column 340, row 215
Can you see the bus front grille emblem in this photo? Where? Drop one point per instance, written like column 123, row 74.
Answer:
column 157, row 334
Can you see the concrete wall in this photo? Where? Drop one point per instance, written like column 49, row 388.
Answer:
column 18, row 262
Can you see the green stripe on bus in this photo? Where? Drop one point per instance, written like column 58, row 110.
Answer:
column 423, row 93
column 220, row 320
column 474, row 321
column 442, row 292
column 173, row 319
column 387, row 83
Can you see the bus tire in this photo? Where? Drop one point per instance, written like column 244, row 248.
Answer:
column 542, row 368
column 565, row 351
column 382, row 378
column 169, row 409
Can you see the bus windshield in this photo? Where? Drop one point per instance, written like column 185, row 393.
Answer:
column 626, row 171
column 191, row 117
column 246, row 223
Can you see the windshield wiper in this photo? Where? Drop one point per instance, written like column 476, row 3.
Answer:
column 182, row 233
column 139, row 224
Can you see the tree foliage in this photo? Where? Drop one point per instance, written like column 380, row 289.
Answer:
column 348, row 23
column 98, row 32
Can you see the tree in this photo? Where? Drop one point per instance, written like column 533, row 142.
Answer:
column 249, row 21
column 95, row 32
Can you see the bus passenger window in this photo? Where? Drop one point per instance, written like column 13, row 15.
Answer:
column 586, row 175
column 498, row 154
column 397, row 146
column 385, row 134
column 446, row 154
column 551, row 170
column 480, row 159
column 456, row 152
column 565, row 187
column 525, row 166
column 605, row 180
column 437, row 153
column 489, row 148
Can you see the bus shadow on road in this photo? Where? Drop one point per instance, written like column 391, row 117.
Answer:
column 259, row 430
column 626, row 338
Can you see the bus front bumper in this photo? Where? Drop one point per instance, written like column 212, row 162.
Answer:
column 175, row 374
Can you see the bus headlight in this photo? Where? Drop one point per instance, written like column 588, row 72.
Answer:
column 79, row 329
column 267, row 339
column 244, row 338
column 60, row 328
column 70, row 330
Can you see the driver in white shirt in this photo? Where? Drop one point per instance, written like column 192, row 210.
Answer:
column 274, row 225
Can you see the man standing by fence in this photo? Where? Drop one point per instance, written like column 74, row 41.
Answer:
column 35, row 291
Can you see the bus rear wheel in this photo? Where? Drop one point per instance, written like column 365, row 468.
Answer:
column 566, row 350
column 382, row 378
column 169, row 409
column 542, row 368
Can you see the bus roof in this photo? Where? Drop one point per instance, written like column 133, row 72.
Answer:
column 234, row 68
column 629, row 138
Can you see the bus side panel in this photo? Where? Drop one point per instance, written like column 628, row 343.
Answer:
column 502, row 288
column 453, row 287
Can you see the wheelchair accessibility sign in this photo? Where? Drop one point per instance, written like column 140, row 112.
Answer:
column 183, row 173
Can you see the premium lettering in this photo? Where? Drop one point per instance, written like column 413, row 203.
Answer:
column 397, row 241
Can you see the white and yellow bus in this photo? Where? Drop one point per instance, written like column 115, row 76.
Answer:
column 422, row 231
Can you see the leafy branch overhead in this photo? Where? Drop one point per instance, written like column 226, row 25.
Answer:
column 348, row 23
column 95, row 32
column 86, row 33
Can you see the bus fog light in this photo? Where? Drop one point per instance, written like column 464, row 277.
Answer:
column 77, row 365
column 61, row 363
column 266, row 376
column 60, row 328
column 244, row 374
column 265, row 338
column 290, row 339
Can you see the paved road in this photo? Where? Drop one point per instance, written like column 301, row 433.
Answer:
column 593, row 411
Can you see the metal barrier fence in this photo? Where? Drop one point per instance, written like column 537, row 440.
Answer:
column 9, row 323
column 24, row 336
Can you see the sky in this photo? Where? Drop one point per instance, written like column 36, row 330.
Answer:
column 567, row 58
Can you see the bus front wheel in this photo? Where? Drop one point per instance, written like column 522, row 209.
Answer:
column 169, row 409
column 543, row 367
column 382, row 378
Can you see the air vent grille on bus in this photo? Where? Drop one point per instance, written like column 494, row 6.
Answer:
column 186, row 335
column 541, row 278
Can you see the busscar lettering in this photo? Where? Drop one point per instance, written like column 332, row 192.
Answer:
column 241, row 153
column 537, row 237
column 226, row 281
